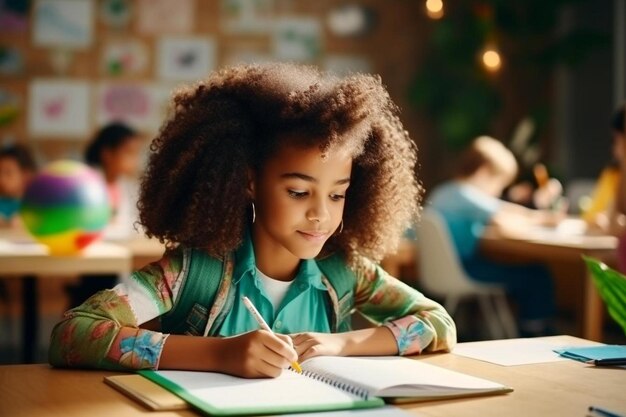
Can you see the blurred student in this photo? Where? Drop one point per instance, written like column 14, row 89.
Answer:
column 115, row 151
column 469, row 203
column 17, row 168
column 600, row 213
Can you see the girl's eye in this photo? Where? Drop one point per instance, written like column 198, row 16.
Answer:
column 297, row 194
column 337, row 197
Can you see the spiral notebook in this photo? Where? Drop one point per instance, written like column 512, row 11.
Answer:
column 327, row 383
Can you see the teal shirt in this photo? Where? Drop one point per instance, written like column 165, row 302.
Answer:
column 9, row 207
column 306, row 306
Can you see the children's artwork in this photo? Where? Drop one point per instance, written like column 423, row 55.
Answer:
column 165, row 16
column 10, row 106
column 342, row 65
column 246, row 16
column 142, row 106
column 297, row 39
column 11, row 61
column 186, row 58
column 59, row 108
column 115, row 13
column 349, row 20
column 124, row 57
column 63, row 23
column 14, row 15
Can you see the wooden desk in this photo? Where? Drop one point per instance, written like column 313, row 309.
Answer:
column 562, row 248
column 29, row 258
column 22, row 258
column 550, row 389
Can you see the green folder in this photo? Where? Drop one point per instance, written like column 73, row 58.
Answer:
column 290, row 393
column 327, row 383
column 608, row 355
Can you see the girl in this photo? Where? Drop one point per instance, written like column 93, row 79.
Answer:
column 115, row 151
column 17, row 169
column 283, row 185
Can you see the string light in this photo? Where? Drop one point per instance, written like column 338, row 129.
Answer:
column 491, row 59
column 434, row 9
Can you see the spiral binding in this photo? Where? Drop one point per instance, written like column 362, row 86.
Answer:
column 331, row 379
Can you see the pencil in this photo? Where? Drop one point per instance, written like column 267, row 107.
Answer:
column 259, row 319
column 607, row 362
column 602, row 412
column 541, row 175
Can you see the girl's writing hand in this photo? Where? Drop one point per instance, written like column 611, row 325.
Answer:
column 257, row 354
column 308, row 345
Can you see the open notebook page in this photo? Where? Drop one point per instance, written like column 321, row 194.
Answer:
column 225, row 394
column 400, row 377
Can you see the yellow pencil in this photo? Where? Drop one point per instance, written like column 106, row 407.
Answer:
column 257, row 316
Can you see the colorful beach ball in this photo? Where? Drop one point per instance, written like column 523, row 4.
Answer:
column 66, row 207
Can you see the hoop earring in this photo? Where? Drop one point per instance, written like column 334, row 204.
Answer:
column 340, row 227
column 253, row 213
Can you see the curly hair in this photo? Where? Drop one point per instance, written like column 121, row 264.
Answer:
column 194, row 191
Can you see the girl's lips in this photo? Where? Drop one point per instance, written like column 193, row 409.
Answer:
column 313, row 235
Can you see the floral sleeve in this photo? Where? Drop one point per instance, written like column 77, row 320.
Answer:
column 418, row 323
column 104, row 331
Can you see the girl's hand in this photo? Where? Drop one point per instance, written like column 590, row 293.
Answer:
column 257, row 354
column 308, row 345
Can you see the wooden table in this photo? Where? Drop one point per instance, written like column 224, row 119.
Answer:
column 541, row 247
column 548, row 247
column 556, row 389
column 22, row 258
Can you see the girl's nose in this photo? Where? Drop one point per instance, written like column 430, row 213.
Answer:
column 318, row 213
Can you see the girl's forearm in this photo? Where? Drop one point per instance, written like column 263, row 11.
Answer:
column 378, row 341
column 192, row 353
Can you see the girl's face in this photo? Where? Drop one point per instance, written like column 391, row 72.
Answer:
column 13, row 179
column 122, row 161
column 299, row 199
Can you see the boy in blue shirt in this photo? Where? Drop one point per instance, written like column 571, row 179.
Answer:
column 469, row 203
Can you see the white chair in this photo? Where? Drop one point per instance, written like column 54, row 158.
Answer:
column 443, row 276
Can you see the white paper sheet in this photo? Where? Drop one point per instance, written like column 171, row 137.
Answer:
column 511, row 352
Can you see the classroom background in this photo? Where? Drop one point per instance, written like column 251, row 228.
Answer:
column 542, row 77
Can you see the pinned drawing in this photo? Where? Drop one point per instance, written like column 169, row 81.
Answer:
column 246, row 16
column 63, row 23
column 297, row 39
column 156, row 17
column 140, row 105
column 14, row 15
column 115, row 13
column 10, row 107
column 186, row 58
column 124, row 57
column 11, row 61
column 59, row 109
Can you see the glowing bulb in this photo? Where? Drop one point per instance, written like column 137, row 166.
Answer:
column 434, row 9
column 491, row 59
column 434, row 5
